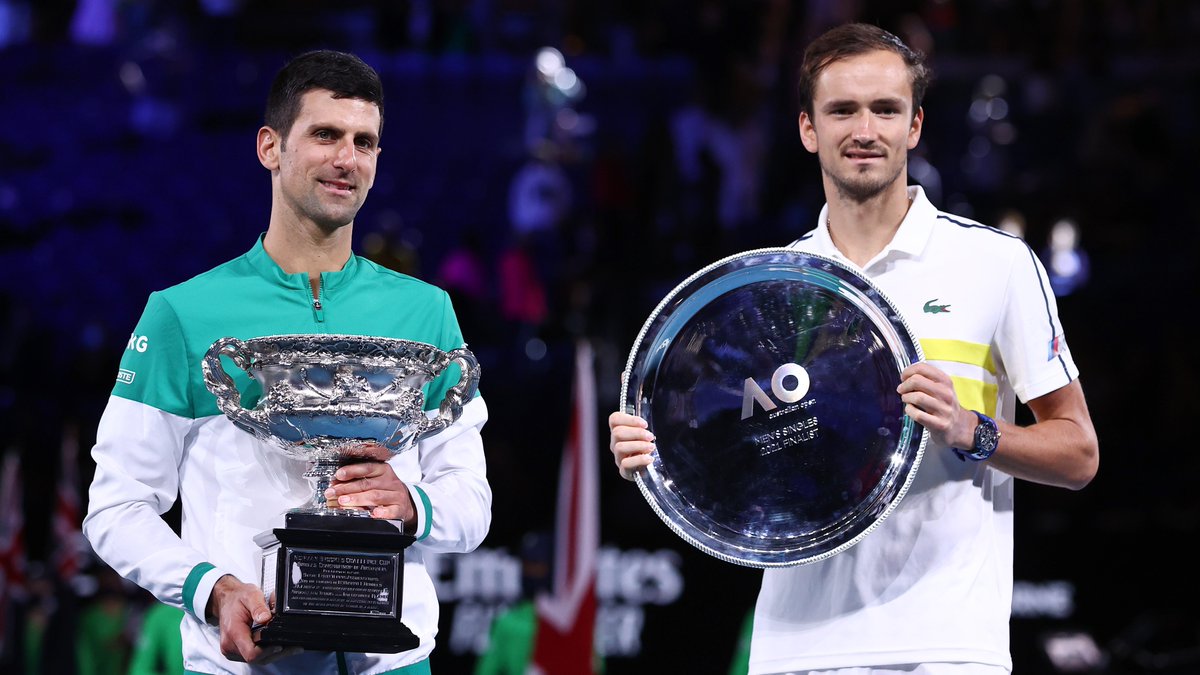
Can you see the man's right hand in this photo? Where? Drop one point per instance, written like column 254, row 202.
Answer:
column 631, row 443
column 234, row 606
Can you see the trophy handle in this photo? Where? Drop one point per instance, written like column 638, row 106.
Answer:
column 458, row 395
column 229, row 399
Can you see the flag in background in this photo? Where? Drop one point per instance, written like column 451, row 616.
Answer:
column 12, row 545
column 69, row 547
column 567, row 615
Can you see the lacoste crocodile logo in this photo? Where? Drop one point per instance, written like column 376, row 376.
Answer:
column 931, row 308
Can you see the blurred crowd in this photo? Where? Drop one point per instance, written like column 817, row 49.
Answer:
column 558, row 167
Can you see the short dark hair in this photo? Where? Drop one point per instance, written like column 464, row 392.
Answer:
column 346, row 75
column 852, row 39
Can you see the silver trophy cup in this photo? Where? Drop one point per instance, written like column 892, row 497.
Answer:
column 336, row 399
column 334, row 583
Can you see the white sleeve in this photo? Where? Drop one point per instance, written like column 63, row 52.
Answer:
column 138, row 452
column 1031, row 341
column 453, row 498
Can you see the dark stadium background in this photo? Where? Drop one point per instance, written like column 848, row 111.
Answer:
column 127, row 164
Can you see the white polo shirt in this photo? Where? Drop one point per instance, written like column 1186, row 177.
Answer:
column 933, row 583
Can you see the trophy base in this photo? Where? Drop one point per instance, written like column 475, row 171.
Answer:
column 335, row 584
column 329, row 634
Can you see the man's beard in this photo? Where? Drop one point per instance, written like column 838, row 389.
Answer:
column 328, row 218
column 860, row 188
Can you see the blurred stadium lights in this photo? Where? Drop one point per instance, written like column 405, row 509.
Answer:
column 1046, row 599
column 1066, row 650
column 535, row 349
column 1073, row 652
column 562, row 81
column 132, row 77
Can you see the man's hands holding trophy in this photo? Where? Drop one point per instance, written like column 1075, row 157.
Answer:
column 238, row 608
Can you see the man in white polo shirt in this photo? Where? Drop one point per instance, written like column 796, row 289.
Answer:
column 930, row 590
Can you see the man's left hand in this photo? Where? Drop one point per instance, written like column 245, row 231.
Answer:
column 372, row 486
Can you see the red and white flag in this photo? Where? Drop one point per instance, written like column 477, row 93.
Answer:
column 70, row 548
column 12, row 544
column 567, row 615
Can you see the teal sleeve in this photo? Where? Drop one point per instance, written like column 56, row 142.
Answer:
column 155, row 368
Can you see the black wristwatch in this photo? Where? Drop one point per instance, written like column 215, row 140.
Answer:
column 987, row 437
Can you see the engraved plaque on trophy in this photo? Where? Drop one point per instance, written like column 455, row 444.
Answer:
column 334, row 576
column 769, row 381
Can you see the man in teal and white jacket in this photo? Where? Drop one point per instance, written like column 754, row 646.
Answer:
column 162, row 434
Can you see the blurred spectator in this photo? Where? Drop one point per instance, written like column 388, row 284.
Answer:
column 1067, row 264
column 463, row 271
column 550, row 93
column 740, row 663
column 103, row 641
column 1012, row 221
column 522, row 291
column 540, row 199
column 221, row 7
column 464, row 274
column 511, row 638
column 16, row 22
column 94, row 22
column 51, row 620
column 159, row 647
column 540, row 194
column 394, row 247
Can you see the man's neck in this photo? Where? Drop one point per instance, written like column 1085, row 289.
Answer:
column 308, row 249
column 860, row 230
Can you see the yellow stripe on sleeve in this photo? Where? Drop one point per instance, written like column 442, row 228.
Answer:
column 958, row 351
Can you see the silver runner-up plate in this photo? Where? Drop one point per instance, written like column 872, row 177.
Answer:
column 769, row 382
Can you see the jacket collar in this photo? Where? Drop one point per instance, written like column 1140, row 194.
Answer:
column 261, row 261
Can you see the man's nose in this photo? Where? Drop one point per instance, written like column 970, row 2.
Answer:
column 346, row 158
column 864, row 126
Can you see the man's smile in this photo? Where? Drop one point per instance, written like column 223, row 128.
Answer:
column 338, row 186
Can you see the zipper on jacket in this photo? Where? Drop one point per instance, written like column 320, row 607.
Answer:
column 317, row 306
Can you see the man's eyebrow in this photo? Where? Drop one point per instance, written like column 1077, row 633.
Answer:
column 838, row 103
column 320, row 126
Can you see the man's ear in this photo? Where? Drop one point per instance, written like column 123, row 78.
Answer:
column 268, row 148
column 914, row 129
column 808, row 133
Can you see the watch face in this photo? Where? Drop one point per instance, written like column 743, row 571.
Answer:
column 769, row 381
column 986, row 436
